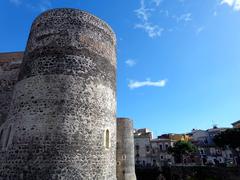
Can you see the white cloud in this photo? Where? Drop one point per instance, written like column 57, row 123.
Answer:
column 143, row 13
column 131, row 62
column 150, row 29
column 228, row 2
column 235, row 4
column 148, row 82
column 185, row 17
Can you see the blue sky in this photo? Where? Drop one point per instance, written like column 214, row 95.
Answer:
column 178, row 60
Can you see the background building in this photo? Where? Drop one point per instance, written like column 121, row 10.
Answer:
column 236, row 124
column 151, row 151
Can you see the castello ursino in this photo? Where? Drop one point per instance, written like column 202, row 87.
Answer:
column 58, row 104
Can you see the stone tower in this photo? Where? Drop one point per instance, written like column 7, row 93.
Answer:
column 62, row 122
column 125, row 150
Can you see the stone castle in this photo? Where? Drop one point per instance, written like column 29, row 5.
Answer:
column 58, row 104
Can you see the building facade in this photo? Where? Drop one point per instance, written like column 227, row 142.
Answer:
column 150, row 152
column 236, row 124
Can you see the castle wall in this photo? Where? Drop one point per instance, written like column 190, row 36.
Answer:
column 62, row 122
column 9, row 69
column 125, row 150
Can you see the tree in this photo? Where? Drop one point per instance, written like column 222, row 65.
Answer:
column 230, row 137
column 181, row 148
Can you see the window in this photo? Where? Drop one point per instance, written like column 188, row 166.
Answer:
column 8, row 135
column 107, row 139
column 161, row 147
column 166, row 146
column 1, row 133
column 147, row 148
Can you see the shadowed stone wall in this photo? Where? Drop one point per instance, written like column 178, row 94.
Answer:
column 9, row 69
column 125, row 150
column 62, row 123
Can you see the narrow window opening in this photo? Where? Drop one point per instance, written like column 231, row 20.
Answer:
column 8, row 135
column 166, row 146
column 107, row 139
column 1, row 134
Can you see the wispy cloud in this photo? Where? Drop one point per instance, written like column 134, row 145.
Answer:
column 165, row 13
column 130, row 62
column 41, row 5
column 138, row 84
column 157, row 2
column 228, row 2
column 235, row 4
column 143, row 13
column 185, row 17
column 150, row 29
column 15, row 2
column 46, row 4
column 200, row 29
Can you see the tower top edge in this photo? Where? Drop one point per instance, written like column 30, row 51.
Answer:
column 104, row 24
column 124, row 119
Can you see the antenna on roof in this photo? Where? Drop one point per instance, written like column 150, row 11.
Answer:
column 214, row 125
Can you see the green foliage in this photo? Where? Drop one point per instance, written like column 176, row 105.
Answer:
column 182, row 147
column 230, row 137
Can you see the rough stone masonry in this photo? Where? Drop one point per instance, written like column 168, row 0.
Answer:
column 125, row 150
column 62, row 122
column 9, row 70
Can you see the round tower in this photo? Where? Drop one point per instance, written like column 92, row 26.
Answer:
column 125, row 150
column 62, row 122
